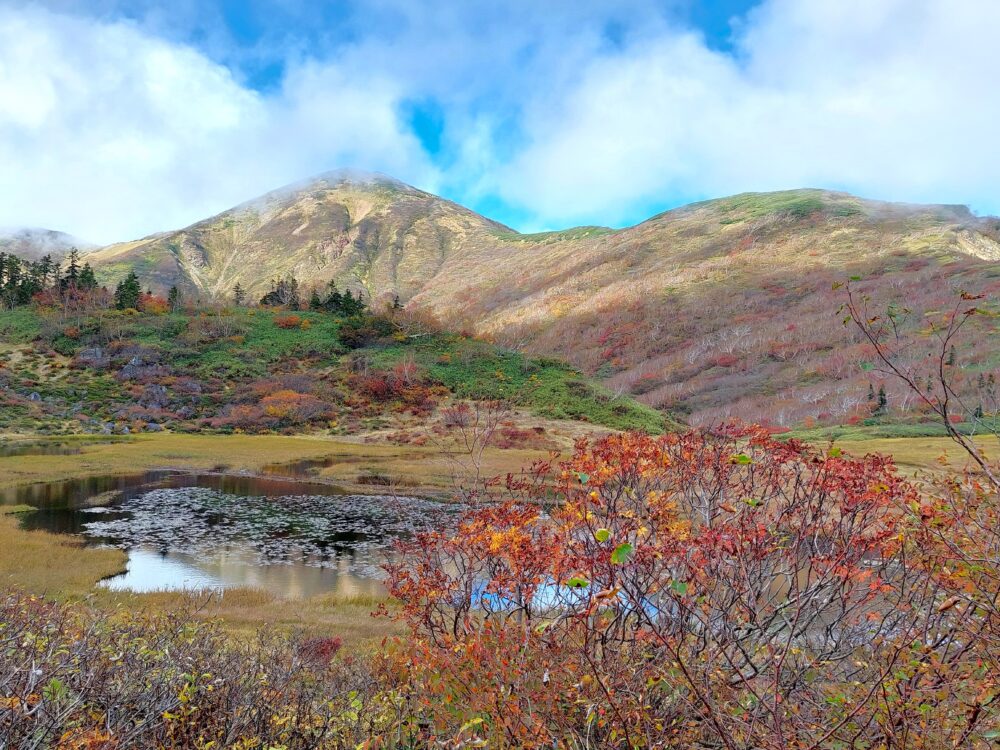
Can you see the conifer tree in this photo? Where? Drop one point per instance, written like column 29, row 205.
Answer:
column 128, row 292
column 88, row 281
column 71, row 277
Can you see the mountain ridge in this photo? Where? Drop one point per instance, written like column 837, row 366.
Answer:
column 353, row 185
column 717, row 310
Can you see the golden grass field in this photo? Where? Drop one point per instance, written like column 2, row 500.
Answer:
column 57, row 566
column 915, row 455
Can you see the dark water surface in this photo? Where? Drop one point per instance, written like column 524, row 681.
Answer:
column 38, row 449
column 197, row 531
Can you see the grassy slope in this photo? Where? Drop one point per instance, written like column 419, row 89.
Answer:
column 250, row 348
column 476, row 370
column 724, row 309
column 363, row 231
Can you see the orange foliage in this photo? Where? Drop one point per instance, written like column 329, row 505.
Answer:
column 154, row 305
column 698, row 590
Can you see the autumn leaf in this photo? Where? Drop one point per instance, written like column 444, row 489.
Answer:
column 621, row 553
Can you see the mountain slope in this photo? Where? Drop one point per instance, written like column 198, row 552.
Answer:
column 717, row 310
column 724, row 309
column 364, row 231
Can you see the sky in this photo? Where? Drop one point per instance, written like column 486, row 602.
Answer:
column 119, row 118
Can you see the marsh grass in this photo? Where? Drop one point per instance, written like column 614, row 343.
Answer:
column 418, row 468
column 51, row 564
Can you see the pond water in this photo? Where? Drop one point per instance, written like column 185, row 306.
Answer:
column 47, row 447
column 214, row 531
column 38, row 449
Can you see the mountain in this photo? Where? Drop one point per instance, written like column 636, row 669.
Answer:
column 721, row 309
column 32, row 243
column 365, row 231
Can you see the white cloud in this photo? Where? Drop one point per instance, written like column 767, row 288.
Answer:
column 109, row 133
column 888, row 98
column 570, row 112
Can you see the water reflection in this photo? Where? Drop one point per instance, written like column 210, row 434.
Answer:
column 152, row 570
column 71, row 493
column 38, row 449
column 301, row 469
column 181, row 531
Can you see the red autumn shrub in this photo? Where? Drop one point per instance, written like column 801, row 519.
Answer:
column 378, row 386
column 403, row 384
column 319, row 651
column 697, row 590
column 726, row 360
column 288, row 321
column 154, row 305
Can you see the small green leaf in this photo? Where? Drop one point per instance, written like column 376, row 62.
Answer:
column 576, row 582
column 855, row 278
column 54, row 690
column 752, row 502
column 582, row 477
column 602, row 535
column 679, row 587
column 867, row 366
column 470, row 724
column 742, row 458
column 835, row 453
column 621, row 553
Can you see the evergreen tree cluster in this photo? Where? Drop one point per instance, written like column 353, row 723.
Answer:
column 286, row 293
column 128, row 292
column 333, row 301
column 21, row 280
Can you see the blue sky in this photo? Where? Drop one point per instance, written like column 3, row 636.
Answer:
column 125, row 117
